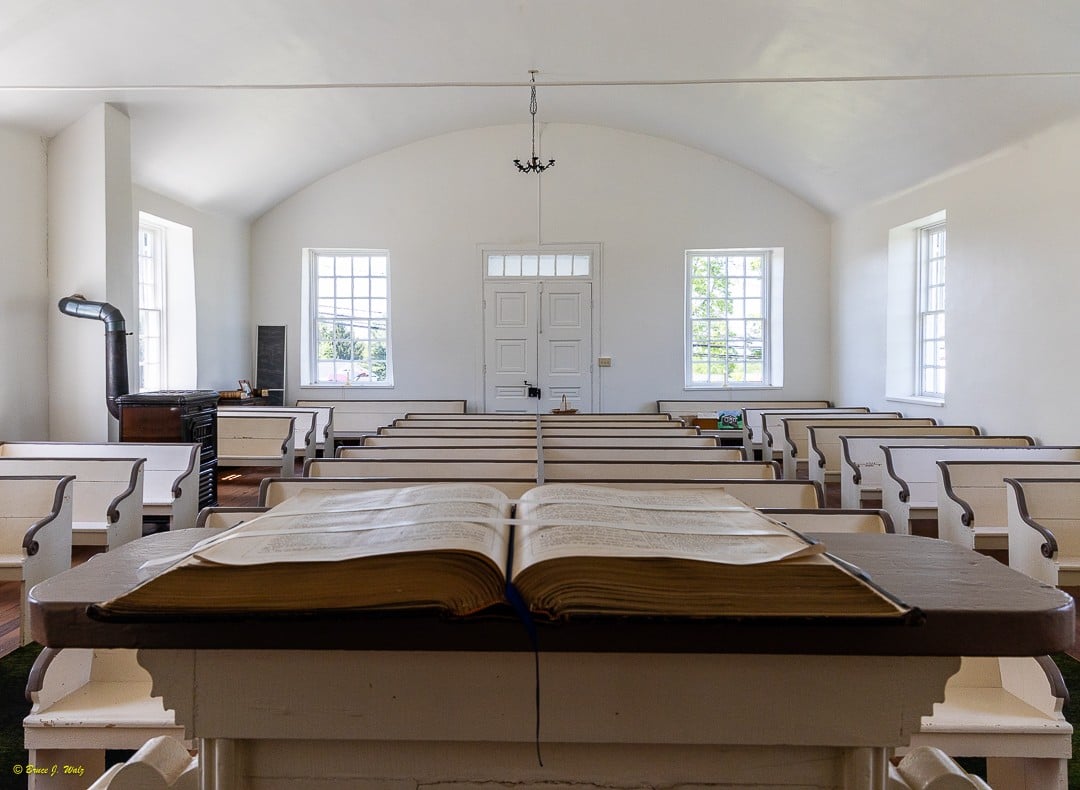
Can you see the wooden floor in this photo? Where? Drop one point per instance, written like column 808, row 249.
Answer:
column 237, row 487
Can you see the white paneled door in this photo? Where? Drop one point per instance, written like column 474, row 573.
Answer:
column 537, row 345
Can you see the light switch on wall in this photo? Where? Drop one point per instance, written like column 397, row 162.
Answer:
column 604, row 362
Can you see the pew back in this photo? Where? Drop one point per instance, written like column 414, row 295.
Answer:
column 424, row 468
column 170, row 474
column 909, row 486
column 448, row 441
column 790, row 439
column 762, row 422
column 688, row 411
column 972, row 501
column 826, row 450
column 256, row 441
column 643, row 454
column 275, row 490
column 35, row 534
column 864, row 458
column 437, row 453
column 356, row 418
column 1044, row 528
column 585, row 471
column 106, row 495
column 305, row 425
column 873, row 522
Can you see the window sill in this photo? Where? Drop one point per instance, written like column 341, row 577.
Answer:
column 383, row 385
column 916, row 399
column 730, row 387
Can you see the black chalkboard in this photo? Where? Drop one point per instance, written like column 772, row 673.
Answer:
column 270, row 362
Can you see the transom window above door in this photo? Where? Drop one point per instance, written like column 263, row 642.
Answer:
column 539, row 265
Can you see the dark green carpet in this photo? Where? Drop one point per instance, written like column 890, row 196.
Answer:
column 15, row 668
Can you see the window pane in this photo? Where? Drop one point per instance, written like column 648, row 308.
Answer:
column 495, row 266
column 581, row 265
column 564, row 265
column 736, row 266
column 547, row 265
column 530, row 265
column 325, row 266
column 378, row 287
column 378, row 266
column 343, row 266
column 513, row 265
column 361, row 266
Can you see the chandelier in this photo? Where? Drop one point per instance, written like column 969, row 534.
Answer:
column 533, row 165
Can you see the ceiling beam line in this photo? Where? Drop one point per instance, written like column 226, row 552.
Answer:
column 305, row 86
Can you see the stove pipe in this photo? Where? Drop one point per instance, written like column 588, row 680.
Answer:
column 116, row 371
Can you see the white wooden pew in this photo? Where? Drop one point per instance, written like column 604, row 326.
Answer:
column 864, row 458
column 794, row 494
column 305, row 424
column 789, row 438
column 1044, row 528
column 510, row 431
column 754, row 421
column 659, row 454
column 170, row 474
column 421, row 468
column 525, row 423
column 584, row 471
column 761, row 424
column 825, row 451
column 354, row 419
column 106, row 495
column 85, row 701
column 439, row 453
column 688, row 411
column 643, row 430
column 1010, row 711
column 606, row 416
column 256, row 441
column 875, row 522
column 799, row 494
column 447, row 441
column 275, row 490
column 635, row 440
column 35, row 534
column 972, row 504
column 909, row 487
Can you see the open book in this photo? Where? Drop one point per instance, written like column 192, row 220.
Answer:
column 568, row 550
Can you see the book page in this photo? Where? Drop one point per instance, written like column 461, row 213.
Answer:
column 323, row 527
column 694, row 524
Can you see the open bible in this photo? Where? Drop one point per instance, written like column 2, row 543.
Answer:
column 568, row 550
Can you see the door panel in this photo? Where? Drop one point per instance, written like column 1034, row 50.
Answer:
column 510, row 330
column 565, row 345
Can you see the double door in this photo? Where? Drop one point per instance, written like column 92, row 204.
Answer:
column 537, row 345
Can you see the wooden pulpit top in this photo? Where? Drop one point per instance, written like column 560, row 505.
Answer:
column 973, row 606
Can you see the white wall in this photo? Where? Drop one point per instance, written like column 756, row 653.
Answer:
column 91, row 249
column 645, row 199
column 1013, row 284
column 222, row 251
column 24, row 402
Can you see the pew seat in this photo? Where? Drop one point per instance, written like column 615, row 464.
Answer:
column 256, row 441
column 85, row 701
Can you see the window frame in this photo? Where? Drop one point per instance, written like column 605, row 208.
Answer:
column 925, row 308
column 771, row 314
column 158, row 261
column 311, row 318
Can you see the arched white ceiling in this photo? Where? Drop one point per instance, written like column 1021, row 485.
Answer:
column 236, row 105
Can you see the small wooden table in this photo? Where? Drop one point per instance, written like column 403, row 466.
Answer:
column 352, row 700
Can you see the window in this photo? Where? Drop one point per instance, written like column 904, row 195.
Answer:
column 152, row 322
column 732, row 309
column 539, row 265
column 915, row 312
column 348, row 318
column 930, row 333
